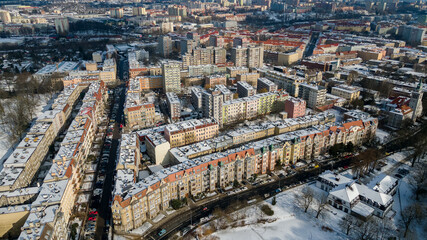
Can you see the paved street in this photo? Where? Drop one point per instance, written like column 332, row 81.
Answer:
column 104, row 211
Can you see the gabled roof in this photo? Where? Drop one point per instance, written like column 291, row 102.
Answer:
column 382, row 183
column 346, row 192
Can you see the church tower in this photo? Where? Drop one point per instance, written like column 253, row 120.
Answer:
column 416, row 101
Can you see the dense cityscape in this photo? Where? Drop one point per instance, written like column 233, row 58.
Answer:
column 213, row 119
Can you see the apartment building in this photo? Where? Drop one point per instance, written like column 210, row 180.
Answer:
column 21, row 166
column 263, row 84
column 255, row 57
column 239, row 57
column 247, row 134
column 414, row 35
column 150, row 82
column 187, row 132
column 141, row 115
column 204, row 56
column 164, row 46
column 247, row 107
column 289, row 58
column 187, row 46
column 244, row 89
column 251, row 57
column 196, row 97
column 171, row 77
column 157, row 148
column 116, row 12
column 265, row 102
column 212, row 104
column 177, row 10
column 214, row 80
column 233, row 111
column 226, row 93
column 295, row 107
column 138, row 111
column 234, row 71
column 314, row 95
column 206, row 173
column 52, row 210
column 174, row 106
column 251, row 78
column 345, row 91
column 138, row 11
column 106, row 72
column 220, row 55
column 202, row 70
column 301, row 141
column 290, row 83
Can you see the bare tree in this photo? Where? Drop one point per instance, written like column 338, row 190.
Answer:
column 322, row 201
column 17, row 119
column 305, row 198
column 348, row 223
column 418, row 179
column 385, row 228
column 222, row 219
column 2, row 112
column 367, row 160
column 366, row 230
column 410, row 214
column 352, row 76
column 420, row 146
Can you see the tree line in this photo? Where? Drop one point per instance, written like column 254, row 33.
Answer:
column 18, row 101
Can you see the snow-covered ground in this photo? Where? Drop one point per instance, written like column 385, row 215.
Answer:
column 382, row 135
column 405, row 197
column 290, row 221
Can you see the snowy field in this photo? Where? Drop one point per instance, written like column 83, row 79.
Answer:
column 382, row 135
column 290, row 222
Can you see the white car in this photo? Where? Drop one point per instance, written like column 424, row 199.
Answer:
column 97, row 191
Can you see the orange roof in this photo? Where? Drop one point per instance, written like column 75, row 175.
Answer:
column 349, row 125
column 405, row 109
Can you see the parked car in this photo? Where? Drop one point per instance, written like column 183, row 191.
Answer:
column 161, row 232
column 403, row 171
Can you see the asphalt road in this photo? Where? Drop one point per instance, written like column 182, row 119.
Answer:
column 175, row 224
column 104, row 210
column 312, row 44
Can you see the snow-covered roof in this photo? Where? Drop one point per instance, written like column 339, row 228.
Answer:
column 350, row 192
column 362, row 209
column 334, row 178
column 346, row 192
column 383, row 183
